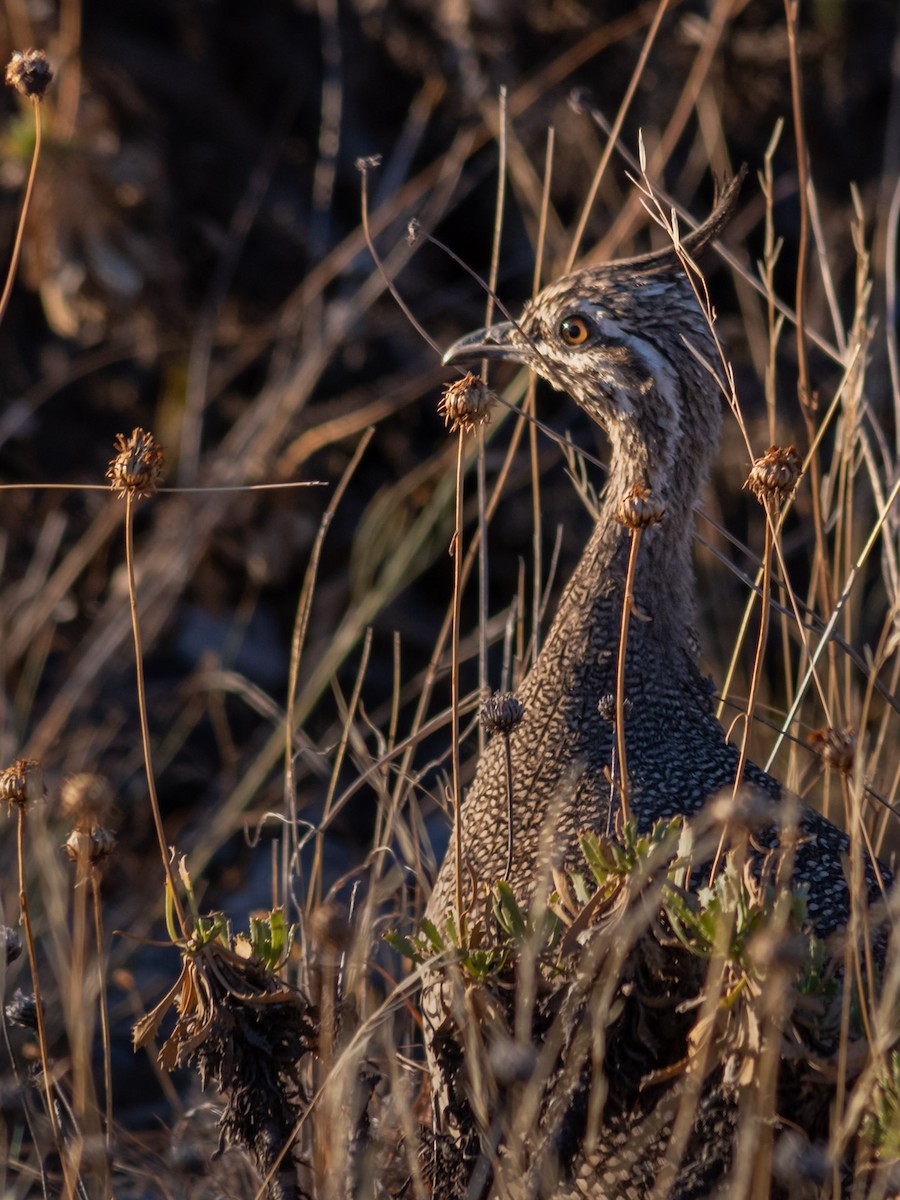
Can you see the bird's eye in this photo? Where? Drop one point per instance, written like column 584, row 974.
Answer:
column 575, row 331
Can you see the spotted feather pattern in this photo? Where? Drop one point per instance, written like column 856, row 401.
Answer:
column 641, row 373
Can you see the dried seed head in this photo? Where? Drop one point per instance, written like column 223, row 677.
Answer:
column 90, row 847
column 22, row 783
column 775, row 476
column 86, row 800
column 29, row 73
column 11, row 943
column 836, row 746
column 502, row 713
column 370, row 163
column 137, row 467
column 22, row 1010
column 467, row 403
column 639, row 508
column 606, row 707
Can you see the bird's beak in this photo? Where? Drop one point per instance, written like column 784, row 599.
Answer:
column 494, row 342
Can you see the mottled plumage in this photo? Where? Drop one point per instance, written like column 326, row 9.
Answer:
column 627, row 342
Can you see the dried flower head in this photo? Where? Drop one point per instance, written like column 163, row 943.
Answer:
column 502, row 713
column 245, row 1030
column 606, row 707
column 639, row 508
column 11, row 943
column 90, row 847
column 137, row 468
column 467, row 403
column 23, row 782
column 22, row 1010
column 775, row 475
column 836, row 746
column 86, row 800
column 368, row 163
column 29, row 73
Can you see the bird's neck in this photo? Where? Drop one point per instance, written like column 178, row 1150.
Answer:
column 663, row 584
column 587, row 628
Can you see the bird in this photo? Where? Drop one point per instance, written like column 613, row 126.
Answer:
column 631, row 343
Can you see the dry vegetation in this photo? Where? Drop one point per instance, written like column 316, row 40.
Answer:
column 282, row 682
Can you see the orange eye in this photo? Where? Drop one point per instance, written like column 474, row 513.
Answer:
column 574, row 331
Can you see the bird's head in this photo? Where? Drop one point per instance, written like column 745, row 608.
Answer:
column 623, row 340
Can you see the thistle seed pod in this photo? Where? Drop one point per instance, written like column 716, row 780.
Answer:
column 606, row 707
column 29, row 73
column 86, row 800
column 23, row 782
column 11, row 943
column 775, row 476
column 467, row 403
column 502, row 713
column 639, row 508
column 90, row 847
column 21, row 1011
column 836, row 746
column 137, row 467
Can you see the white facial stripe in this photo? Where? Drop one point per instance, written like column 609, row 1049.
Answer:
column 663, row 375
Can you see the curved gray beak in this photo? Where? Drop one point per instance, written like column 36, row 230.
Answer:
column 497, row 341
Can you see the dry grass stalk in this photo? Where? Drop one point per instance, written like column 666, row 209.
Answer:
column 388, row 746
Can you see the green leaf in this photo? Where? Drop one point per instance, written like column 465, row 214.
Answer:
column 403, row 945
column 437, row 943
column 506, row 909
column 271, row 938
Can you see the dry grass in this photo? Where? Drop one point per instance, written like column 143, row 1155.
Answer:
column 264, row 787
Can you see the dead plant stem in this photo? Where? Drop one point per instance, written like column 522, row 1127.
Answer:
column 806, row 397
column 35, row 981
column 456, row 551
column 627, row 604
column 441, row 640
column 70, row 23
column 26, row 202
column 365, row 166
column 104, row 1003
column 531, row 406
column 315, row 883
column 824, row 424
column 510, row 832
column 80, row 1053
column 694, row 1079
column 142, row 708
column 610, row 146
column 830, row 625
column 483, row 557
column 298, row 639
column 755, row 678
